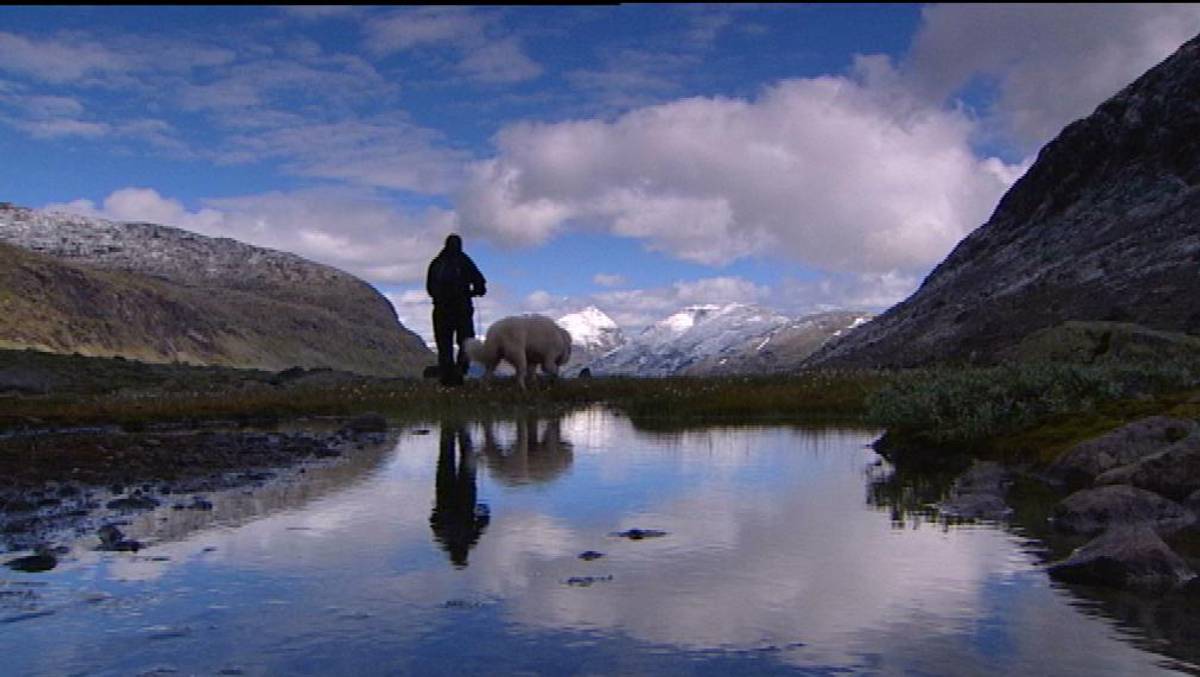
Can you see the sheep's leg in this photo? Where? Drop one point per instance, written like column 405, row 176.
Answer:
column 550, row 367
column 518, row 362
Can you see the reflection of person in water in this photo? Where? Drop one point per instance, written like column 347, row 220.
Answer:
column 532, row 457
column 457, row 521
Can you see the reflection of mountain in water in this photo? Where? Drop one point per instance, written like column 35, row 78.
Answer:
column 537, row 453
column 457, row 520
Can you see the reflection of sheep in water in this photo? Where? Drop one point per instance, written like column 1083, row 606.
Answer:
column 532, row 455
column 524, row 341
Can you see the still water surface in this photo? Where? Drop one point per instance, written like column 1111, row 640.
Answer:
column 456, row 551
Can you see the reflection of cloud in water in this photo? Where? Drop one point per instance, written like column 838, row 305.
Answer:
column 592, row 430
column 775, row 571
column 769, row 543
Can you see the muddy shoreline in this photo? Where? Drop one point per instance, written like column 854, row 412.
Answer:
column 56, row 485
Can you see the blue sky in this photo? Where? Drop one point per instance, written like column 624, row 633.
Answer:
column 638, row 158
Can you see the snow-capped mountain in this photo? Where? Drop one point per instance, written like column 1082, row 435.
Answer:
column 593, row 335
column 592, row 330
column 715, row 339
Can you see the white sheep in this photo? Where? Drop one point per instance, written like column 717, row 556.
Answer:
column 524, row 341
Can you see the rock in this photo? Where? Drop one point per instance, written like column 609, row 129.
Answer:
column 586, row 581
column 110, row 534
column 1173, row 472
column 200, row 503
column 639, row 534
column 975, row 507
column 1192, row 502
column 979, row 493
column 1086, row 460
column 111, row 539
column 1093, row 511
column 590, row 555
column 1131, row 557
column 132, row 503
column 367, row 423
column 42, row 560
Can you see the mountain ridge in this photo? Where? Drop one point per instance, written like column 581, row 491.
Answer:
column 1104, row 227
column 163, row 294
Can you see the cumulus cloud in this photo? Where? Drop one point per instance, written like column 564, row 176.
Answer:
column 838, row 173
column 1051, row 63
column 349, row 230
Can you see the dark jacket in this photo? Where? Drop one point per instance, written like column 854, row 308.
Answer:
column 453, row 278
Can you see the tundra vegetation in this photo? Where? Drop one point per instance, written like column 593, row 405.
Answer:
column 1036, row 406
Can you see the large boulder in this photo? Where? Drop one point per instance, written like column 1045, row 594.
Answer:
column 1131, row 557
column 1173, row 472
column 1092, row 511
column 1081, row 464
column 979, row 493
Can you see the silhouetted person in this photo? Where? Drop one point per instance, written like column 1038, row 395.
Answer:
column 453, row 279
column 457, row 521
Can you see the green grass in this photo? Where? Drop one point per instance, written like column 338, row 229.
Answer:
column 1028, row 409
column 1039, row 408
column 653, row 402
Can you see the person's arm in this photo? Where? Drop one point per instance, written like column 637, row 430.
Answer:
column 429, row 278
column 478, row 283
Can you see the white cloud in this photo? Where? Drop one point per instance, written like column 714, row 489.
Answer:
column 78, row 58
column 62, row 127
column 406, row 29
column 839, row 173
column 384, row 153
column 608, row 280
column 56, row 60
column 634, row 309
column 485, row 52
column 1053, row 63
column 316, row 12
column 499, row 61
column 845, row 291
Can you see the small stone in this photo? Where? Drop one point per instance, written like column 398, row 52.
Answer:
column 639, row 534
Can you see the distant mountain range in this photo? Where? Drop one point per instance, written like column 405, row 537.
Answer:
column 702, row 340
column 72, row 284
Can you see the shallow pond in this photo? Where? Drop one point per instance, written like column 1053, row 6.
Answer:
column 456, row 549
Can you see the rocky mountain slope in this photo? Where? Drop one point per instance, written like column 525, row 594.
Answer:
column 708, row 340
column 158, row 294
column 1104, row 227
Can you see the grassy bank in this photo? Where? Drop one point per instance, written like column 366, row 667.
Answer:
column 1028, row 408
column 70, row 390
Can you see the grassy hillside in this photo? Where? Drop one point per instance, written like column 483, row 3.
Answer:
column 63, row 307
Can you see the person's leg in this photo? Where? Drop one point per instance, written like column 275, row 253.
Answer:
column 464, row 331
column 443, row 334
